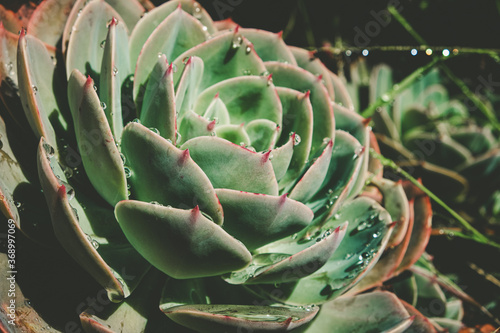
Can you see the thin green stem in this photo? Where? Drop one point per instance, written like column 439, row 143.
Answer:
column 489, row 114
column 398, row 88
column 473, row 233
column 405, row 48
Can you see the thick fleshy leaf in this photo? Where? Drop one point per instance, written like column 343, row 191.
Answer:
column 225, row 56
column 8, row 58
column 233, row 167
column 177, row 33
column 298, row 119
column 282, row 157
column 48, row 20
column 114, row 72
column 183, row 292
column 250, row 318
column 15, row 21
column 269, row 46
column 307, row 60
column 342, row 96
column 477, row 140
column 312, row 180
column 422, row 224
column 234, row 133
column 258, row 219
column 170, row 177
column 262, row 133
column 217, row 111
column 341, row 176
column 366, row 238
column 158, row 107
column 378, row 311
column 84, row 50
column 420, row 322
column 35, row 74
column 246, row 98
column 100, row 156
column 186, row 89
column 194, row 125
column 76, row 87
column 130, row 11
column 158, row 232
column 133, row 313
column 396, row 203
column 153, row 18
column 91, row 235
column 299, row 260
column 285, row 75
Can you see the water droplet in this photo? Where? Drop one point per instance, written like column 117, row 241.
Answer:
column 156, row 203
column 27, row 302
column 252, row 149
column 160, row 54
column 348, row 53
column 136, row 120
column 197, row 11
column 237, row 41
column 103, row 44
column 296, row 139
column 269, row 80
column 265, row 73
column 103, row 105
column 204, row 28
column 128, row 172
column 428, row 52
column 115, row 71
column 95, row 244
column 154, row 130
column 364, row 52
column 248, row 49
column 385, row 98
column 95, row 88
column 174, row 68
column 455, row 51
column 446, row 52
column 35, row 89
column 124, row 159
column 414, row 52
column 247, row 72
column 54, row 60
column 212, row 134
column 185, row 60
column 271, row 156
column 49, row 150
column 376, row 234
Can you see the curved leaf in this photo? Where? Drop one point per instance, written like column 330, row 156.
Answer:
column 170, row 176
column 233, row 167
column 158, row 232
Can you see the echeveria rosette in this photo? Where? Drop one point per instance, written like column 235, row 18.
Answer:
column 434, row 135
column 240, row 165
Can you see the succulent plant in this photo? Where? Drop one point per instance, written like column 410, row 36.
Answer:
column 436, row 137
column 217, row 158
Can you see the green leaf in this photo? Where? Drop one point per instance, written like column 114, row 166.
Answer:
column 186, row 89
column 154, row 18
column 262, row 133
column 312, row 180
column 194, row 125
column 251, row 318
column 158, row 107
column 114, row 72
column 48, row 20
column 298, row 119
column 366, row 238
column 282, row 157
column 84, row 50
column 89, row 235
column 233, row 133
column 233, row 167
column 100, row 156
column 170, row 176
column 300, row 260
column 285, row 75
column 8, row 68
column 177, row 33
column 246, row 98
column 257, row 219
column 35, row 75
column 158, row 233
column 269, row 46
column 378, row 311
column 225, row 56
column 217, row 111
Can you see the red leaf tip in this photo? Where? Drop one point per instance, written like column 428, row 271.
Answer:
column 237, row 29
column 113, row 22
column 280, row 34
column 216, row 95
column 184, row 157
column 211, row 125
column 265, row 157
column 307, row 94
column 366, row 121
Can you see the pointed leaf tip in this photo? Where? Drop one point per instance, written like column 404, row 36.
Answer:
column 113, row 22
column 236, row 30
column 195, row 214
column 169, row 70
column 216, row 95
column 265, row 157
column 280, row 34
column 307, row 94
column 211, row 125
column 184, row 157
column 366, row 121
column 320, row 77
